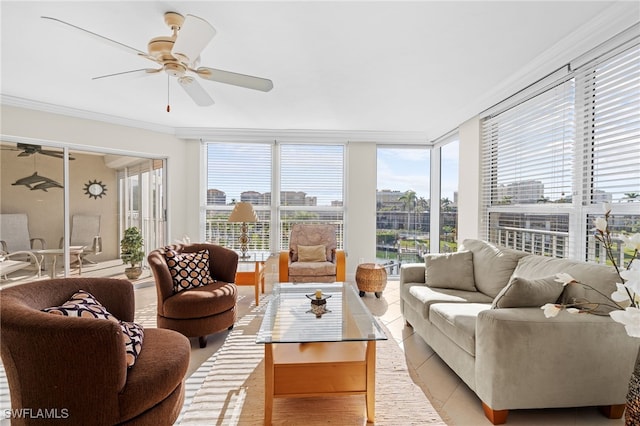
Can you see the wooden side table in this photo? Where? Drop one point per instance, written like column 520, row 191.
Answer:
column 371, row 277
column 251, row 273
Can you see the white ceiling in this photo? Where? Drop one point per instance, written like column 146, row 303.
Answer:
column 420, row 66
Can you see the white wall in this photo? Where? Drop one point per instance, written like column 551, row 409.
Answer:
column 469, row 180
column 81, row 133
column 361, row 205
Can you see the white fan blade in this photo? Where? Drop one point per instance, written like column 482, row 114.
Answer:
column 194, row 35
column 105, row 39
column 236, row 79
column 193, row 89
column 140, row 72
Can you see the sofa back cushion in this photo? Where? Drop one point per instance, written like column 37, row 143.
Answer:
column 492, row 265
column 601, row 277
column 450, row 270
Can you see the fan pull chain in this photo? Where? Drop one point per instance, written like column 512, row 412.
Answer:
column 168, row 106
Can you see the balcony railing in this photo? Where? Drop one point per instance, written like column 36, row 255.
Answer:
column 219, row 231
column 554, row 244
column 536, row 241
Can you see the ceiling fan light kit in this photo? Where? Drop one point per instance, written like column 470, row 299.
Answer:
column 179, row 54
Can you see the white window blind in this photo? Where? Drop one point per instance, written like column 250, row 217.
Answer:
column 528, row 150
column 238, row 172
column 609, row 93
column 311, row 187
column 311, row 175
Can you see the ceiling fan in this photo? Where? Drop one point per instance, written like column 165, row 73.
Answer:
column 28, row 150
column 179, row 56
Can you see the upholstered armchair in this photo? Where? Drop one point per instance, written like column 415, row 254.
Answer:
column 184, row 304
column 79, row 367
column 312, row 255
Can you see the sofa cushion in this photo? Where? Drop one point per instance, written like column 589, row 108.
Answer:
column 492, row 265
column 450, row 270
column 201, row 302
column 601, row 277
column 421, row 297
column 188, row 270
column 312, row 253
column 312, row 268
column 522, row 292
column 161, row 368
column 458, row 322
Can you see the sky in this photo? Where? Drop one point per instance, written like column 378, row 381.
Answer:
column 399, row 169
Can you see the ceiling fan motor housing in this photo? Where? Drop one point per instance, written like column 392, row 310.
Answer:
column 160, row 48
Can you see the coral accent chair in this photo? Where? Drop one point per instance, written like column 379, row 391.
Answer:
column 312, row 255
column 79, row 364
column 199, row 311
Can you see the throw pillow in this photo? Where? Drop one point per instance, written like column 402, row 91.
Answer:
column 188, row 270
column 83, row 304
column 312, row 254
column 521, row 293
column 450, row 270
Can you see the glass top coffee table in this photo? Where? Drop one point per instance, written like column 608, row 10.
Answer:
column 316, row 346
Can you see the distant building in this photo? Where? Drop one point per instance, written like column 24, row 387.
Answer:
column 523, row 192
column 252, row 197
column 216, row 197
column 389, row 199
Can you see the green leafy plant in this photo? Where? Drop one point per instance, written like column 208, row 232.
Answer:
column 131, row 245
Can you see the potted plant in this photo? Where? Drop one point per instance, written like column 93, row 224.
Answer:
column 131, row 252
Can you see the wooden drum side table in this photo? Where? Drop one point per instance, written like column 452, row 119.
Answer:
column 371, row 277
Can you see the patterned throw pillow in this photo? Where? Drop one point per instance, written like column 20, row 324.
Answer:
column 188, row 270
column 84, row 305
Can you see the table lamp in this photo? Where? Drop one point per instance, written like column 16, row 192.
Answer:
column 243, row 212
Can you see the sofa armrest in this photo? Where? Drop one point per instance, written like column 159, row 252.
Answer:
column 524, row 360
column 412, row 273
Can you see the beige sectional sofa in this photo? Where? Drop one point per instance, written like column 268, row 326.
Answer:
column 479, row 309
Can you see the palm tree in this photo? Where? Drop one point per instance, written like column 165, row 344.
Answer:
column 445, row 203
column 631, row 196
column 409, row 200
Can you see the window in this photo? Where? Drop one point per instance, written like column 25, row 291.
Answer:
column 311, row 187
column 610, row 95
column 238, row 172
column 543, row 182
column 307, row 180
column 402, row 205
column 449, row 160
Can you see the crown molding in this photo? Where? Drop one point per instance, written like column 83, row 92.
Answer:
column 17, row 102
column 302, row 135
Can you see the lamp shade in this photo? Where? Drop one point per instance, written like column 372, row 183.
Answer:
column 243, row 212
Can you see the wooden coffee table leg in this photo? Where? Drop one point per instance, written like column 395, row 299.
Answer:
column 268, row 383
column 371, row 381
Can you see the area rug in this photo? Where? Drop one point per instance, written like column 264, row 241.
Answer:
column 233, row 390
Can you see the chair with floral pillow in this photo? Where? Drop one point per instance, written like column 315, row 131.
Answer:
column 195, row 286
column 312, row 255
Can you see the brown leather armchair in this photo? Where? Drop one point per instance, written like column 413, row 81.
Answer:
column 200, row 311
column 299, row 263
column 78, row 367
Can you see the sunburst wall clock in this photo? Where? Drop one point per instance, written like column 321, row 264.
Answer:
column 95, row 189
